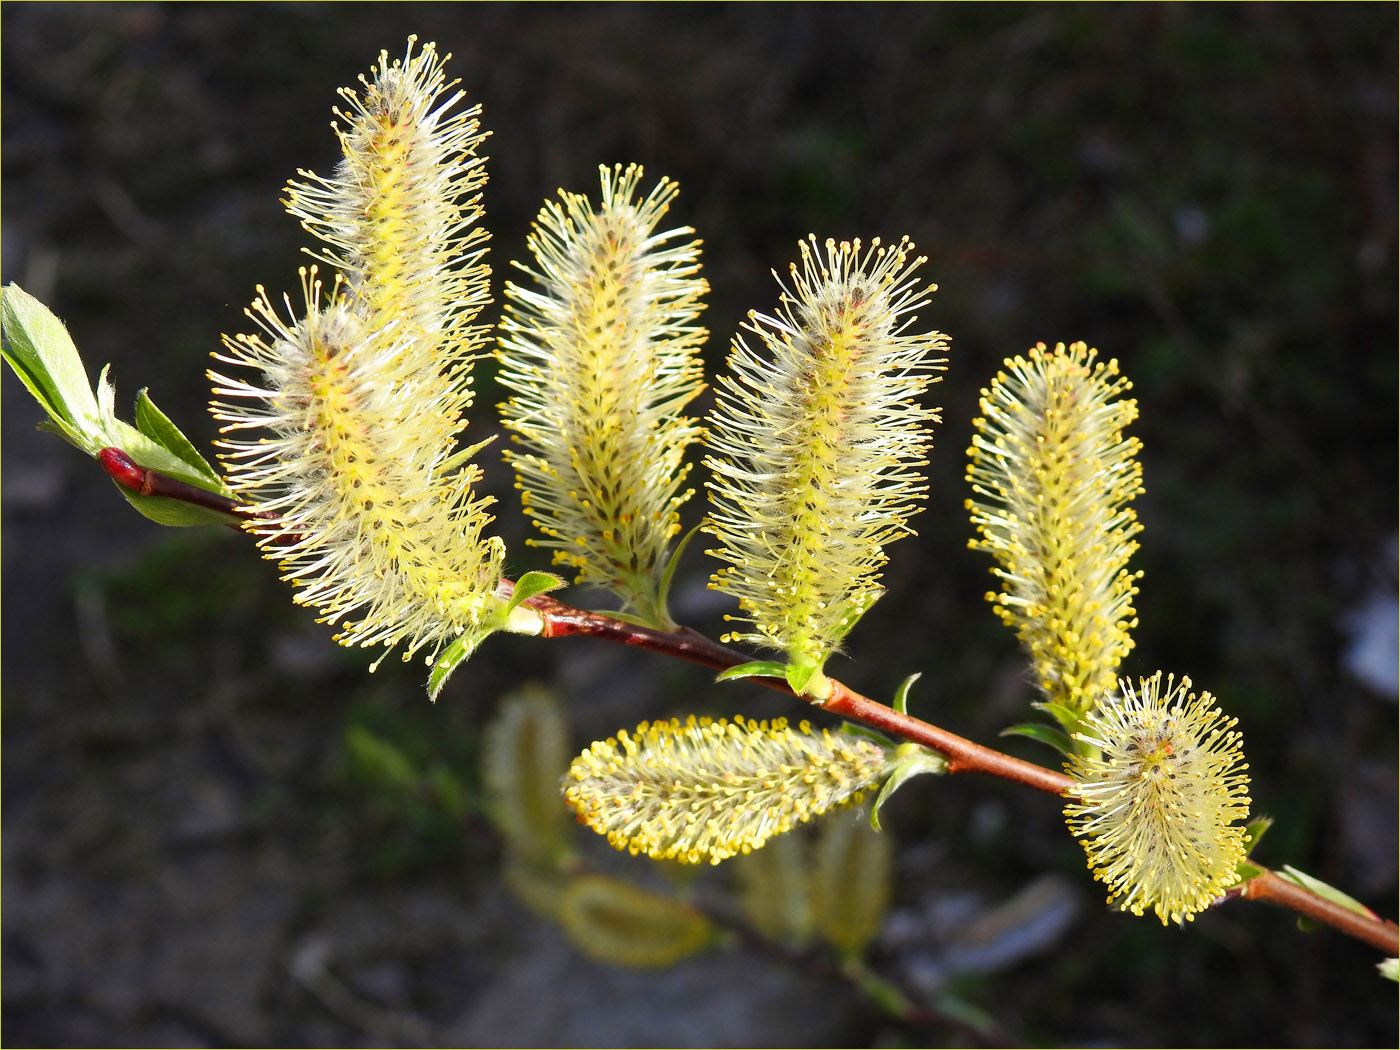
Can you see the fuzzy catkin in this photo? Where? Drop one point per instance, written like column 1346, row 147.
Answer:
column 602, row 355
column 361, row 391
column 1053, row 477
column 1158, row 804
column 704, row 790
column 815, row 444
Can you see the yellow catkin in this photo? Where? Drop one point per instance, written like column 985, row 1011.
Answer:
column 704, row 790
column 358, row 402
column 850, row 854
column 602, row 353
column 1053, row 476
column 815, row 443
column 616, row 922
column 1161, row 802
column 525, row 752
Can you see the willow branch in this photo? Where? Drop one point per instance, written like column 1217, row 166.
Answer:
column 964, row 756
column 1380, row 934
column 126, row 472
column 562, row 620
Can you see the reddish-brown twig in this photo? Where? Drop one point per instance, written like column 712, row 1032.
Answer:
column 562, row 620
column 1377, row 932
column 964, row 756
column 126, row 472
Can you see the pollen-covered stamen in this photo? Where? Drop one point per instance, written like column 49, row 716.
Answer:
column 1053, row 478
column 370, row 524
column 398, row 214
column 602, row 355
column 704, row 791
column 1159, row 805
column 815, row 446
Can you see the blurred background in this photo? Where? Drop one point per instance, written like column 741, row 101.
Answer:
column 197, row 850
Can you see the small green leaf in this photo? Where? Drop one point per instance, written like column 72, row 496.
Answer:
column 1322, row 889
column 626, row 617
column 1245, row 870
column 106, row 396
column 1051, row 736
column 663, row 590
column 147, row 453
column 1389, row 969
column 974, row 1017
column 464, row 456
column 753, row 669
column 531, row 584
column 456, row 653
column 450, row 792
column 901, row 695
column 1069, row 720
column 911, row 761
column 174, row 512
column 157, row 426
column 1254, row 831
column 42, row 353
column 798, row 675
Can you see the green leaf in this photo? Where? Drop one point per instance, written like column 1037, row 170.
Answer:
column 1245, row 870
column 753, row 669
column 1322, row 889
column 901, row 695
column 798, row 675
column 1048, row 735
column 974, row 1017
column 1254, row 831
column 531, row 584
column 464, row 456
column 106, row 396
column 911, row 761
column 456, row 653
column 174, row 512
column 42, row 353
column 1389, row 969
column 380, row 761
column 450, row 792
column 144, row 450
column 663, row 590
column 1069, row 720
column 157, row 426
